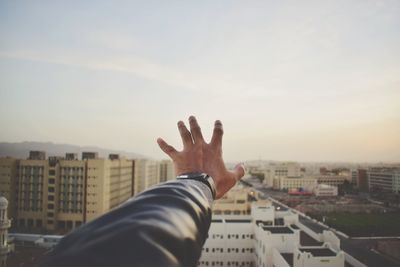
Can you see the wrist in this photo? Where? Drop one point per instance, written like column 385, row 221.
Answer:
column 201, row 177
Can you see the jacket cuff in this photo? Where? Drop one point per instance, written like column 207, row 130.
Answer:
column 204, row 188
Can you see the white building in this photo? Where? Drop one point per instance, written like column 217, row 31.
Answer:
column 269, row 238
column 5, row 223
column 277, row 170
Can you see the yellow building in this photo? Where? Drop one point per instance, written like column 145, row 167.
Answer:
column 147, row 173
column 60, row 194
column 234, row 202
column 8, row 171
column 293, row 183
column 167, row 170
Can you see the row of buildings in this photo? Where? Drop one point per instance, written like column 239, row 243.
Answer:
column 57, row 194
column 264, row 237
column 267, row 237
column 290, row 175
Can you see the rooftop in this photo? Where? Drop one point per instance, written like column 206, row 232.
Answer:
column 307, row 240
column 319, row 252
column 278, row 230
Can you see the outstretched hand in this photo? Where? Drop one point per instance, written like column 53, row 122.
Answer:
column 199, row 156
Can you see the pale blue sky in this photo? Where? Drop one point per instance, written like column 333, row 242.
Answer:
column 290, row 80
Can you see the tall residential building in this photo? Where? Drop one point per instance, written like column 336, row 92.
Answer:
column 147, row 174
column 8, row 172
column 385, row 179
column 59, row 194
column 167, row 170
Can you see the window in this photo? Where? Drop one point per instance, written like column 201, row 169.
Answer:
column 52, row 181
column 51, row 189
column 51, row 198
column 52, row 172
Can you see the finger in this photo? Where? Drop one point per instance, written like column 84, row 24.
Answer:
column 239, row 171
column 217, row 134
column 185, row 134
column 195, row 130
column 168, row 149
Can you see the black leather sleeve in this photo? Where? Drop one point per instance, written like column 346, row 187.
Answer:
column 166, row 225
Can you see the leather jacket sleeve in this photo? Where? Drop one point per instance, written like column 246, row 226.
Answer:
column 166, row 225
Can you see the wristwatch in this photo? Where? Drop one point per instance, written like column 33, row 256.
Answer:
column 201, row 177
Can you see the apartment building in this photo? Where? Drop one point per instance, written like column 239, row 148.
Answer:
column 267, row 238
column 147, row 174
column 8, row 171
column 167, row 170
column 58, row 194
column 385, row 179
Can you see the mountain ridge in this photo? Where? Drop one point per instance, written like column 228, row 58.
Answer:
column 21, row 150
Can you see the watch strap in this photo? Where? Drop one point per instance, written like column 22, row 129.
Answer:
column 201, row 177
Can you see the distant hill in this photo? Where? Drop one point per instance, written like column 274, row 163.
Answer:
column 21, row 150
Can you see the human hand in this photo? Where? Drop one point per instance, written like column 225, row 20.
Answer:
column 199, row 156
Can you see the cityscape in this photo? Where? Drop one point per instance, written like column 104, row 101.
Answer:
column 279, row 214
column 306, row 94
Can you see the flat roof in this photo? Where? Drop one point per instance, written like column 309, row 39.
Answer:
column 238, row 221
column 288, row 258
column 278, row 230
column 307, row 240
column 319, row 252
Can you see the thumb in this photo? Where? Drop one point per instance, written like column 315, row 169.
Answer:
column 239, row 171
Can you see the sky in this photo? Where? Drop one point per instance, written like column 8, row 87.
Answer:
column 290, row 80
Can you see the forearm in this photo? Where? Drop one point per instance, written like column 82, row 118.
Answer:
column 164, row 226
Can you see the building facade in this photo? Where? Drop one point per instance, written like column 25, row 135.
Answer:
column 268, row 238
column 147, row 174
column 385, row 179
column 59, row 194
column 167, row 170
column 294, row 183
column 5, row 224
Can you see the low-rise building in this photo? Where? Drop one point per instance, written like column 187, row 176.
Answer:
column 294, row 183
column 269, row 238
